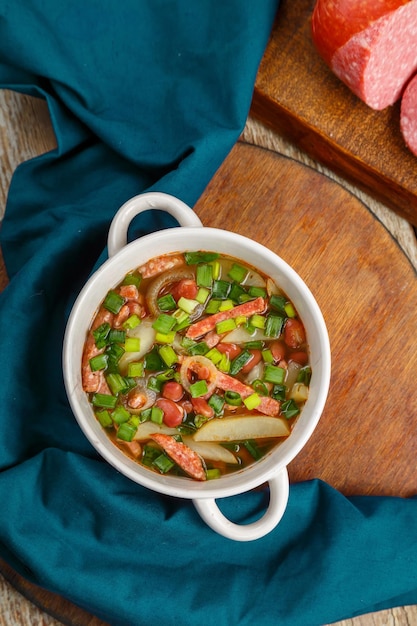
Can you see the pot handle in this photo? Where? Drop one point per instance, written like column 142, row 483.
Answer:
column 117, row 237
column 278, row 498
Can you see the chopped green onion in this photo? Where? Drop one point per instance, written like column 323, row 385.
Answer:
column 213, row 306
column 117, row 383
column 164, row 323
column 145, row 415
column 98, row 362
column 253, row 449
column 213, row 473
column 238, row 273
column 154, row 383
column 150, row 453
column 240, row 320
column 278, row 302
column 126, row 432
column 204, row 275
column 168, row 355
column 220, row 289
column 153, row 362
column 104, row 400
column 187, row 343
column 257, row 321
column 267, row 356
column 187, row 305
column 304, row 375
column 289, row 409
column 199, row 388
column 225, row 326
column 200, row 348
column 202, row 295
column 279, row 392
column 192, row 258
column 214, row 355
column 260, row 387
column 114, row 352
column 257, row 292
column 226, row 305
column 163, row 463
column 157, row 415
column 289, row 309
column 113, row 302
column 240, row 361
column 132, row 279
column 132, row 321
column 273, row 325
column 216, row 402
column 120, row 415
column 216, row 269
column 274, row 374
column 199, row 420
column 117, row 336
column 233, row 397
column 252, row 401
column 165, row 338
column 180, row 316
column 100, row 335
column 254, row 345
column 166, row 302
column 167, row 375
column 135, row 369
column 104, row 419
column 224, row 364
column 236, row 291
column 132, row 344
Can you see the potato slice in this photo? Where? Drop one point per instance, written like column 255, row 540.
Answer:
column 146, row 334
column 146, row 429
column 238, row 428
column 211, row 451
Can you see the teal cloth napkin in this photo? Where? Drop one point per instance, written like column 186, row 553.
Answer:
column 147, row 94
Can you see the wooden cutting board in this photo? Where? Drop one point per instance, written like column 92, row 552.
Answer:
column 366, row 440
column 297, row 95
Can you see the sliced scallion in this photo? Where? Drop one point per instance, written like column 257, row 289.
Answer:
column 274, row 374
column 104, row 418
column 98, row 362
column 104, row 400
column 163, row 463
column 240, row 361
column 238, row 272
column 252, row 401
column 168, row 355
column 120, row 415
column 273, row 325
column 113, row 302
column 233, row 397
column 132, row 321
column 132, row 344
column 166, row 302
column 135, row 369
column 220, row 289
column 204, row 275
column 192, row 258
column 126, row 432
column 225, row 326
column 289, row 409
column 164, row 323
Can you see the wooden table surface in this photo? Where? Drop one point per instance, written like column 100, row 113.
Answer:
column 25, row 131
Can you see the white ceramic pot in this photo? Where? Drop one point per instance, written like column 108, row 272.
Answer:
column 191, row 235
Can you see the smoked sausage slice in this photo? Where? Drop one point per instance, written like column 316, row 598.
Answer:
column 370, row 45
column 409, row 115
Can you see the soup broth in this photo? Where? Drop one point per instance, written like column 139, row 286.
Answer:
column 196, row 364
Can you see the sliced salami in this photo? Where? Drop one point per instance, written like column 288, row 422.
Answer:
column 209, row 323
column 409, row 115
column 371, row 46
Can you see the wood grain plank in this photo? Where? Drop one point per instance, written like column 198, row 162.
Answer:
column 297, row 95
column 20, row 600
